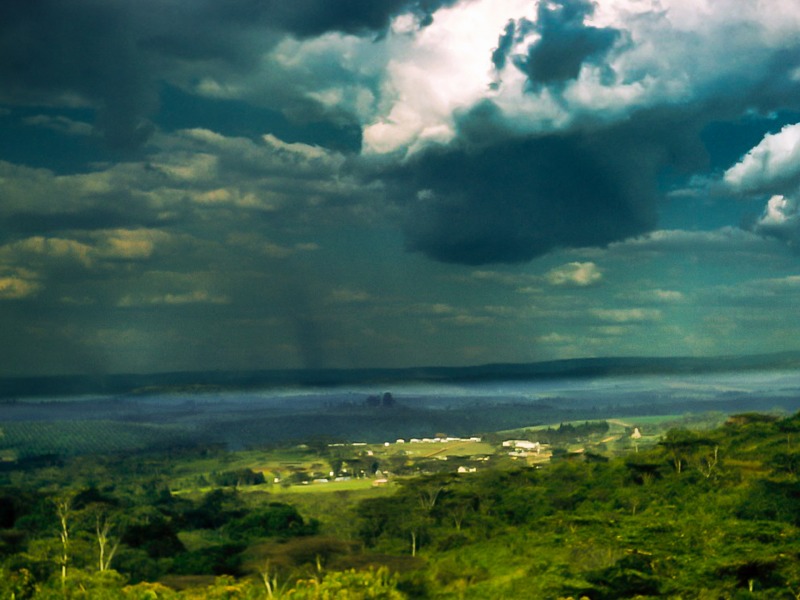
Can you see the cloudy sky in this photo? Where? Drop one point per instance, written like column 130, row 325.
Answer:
column 248, row 184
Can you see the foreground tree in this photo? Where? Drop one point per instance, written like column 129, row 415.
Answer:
column 107, row 548
column 64, row 513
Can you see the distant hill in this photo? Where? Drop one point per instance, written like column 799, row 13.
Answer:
column 192, row 381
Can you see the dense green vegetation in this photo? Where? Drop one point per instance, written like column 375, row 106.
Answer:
column 691, row 513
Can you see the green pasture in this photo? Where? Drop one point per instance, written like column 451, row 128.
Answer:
column 706, row 420
column 660, row 422
column 435, row 449
column 268, row 461
column 325, row 488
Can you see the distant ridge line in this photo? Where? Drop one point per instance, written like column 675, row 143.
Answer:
column 199, row 381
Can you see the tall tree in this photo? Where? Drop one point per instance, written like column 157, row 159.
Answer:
column 64, row 513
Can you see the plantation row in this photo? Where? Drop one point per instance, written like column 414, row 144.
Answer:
column 67, row 438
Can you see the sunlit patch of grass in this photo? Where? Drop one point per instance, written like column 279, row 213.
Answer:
column 331, row 486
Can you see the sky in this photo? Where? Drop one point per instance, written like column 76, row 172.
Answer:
column 260, row 184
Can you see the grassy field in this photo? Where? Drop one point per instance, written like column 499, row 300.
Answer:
column 330, row 487
column 303, row 474
column 435, row 449
column 281, row 463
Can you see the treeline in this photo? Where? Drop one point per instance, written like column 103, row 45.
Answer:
column 703, row 515
column 713, row 514
column 564, row 433
column 567, row 432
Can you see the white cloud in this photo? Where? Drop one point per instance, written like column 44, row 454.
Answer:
column 54, row 253
column 335, row 70
column 343, row 295
column 656, row 295
column 724, row 239
column 40, row 248
column 15, row 286
column 295, row 152
column 266, row 174
column 467, row 320
column 670, row 52
column 172, row 299
column 438, row 308
column 188, row 168
column 502, row 311
column 503, row 278
column 612, row 330
column 763, row 288
column 257, row 244
column 129, row 244
column 204, row 150
column 40, row 192
column 790, row 281
column 60, row 124
column 772, row 165
column 214, row 172
column 274, row 250
column 627, row 315
column 760, row 298
column 779, row 211
column 446, row 313
column 575, row 274
column 781, row 219
column 438, row 71
column 555, row 338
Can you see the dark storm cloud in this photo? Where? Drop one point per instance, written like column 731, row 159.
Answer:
column 26, row 223
column 38, row 201
column 113, row 56
column 565, row 42
column 496, row 194
column 517, row 198
column 504, row 44
column 306, row 18
column 85, row 51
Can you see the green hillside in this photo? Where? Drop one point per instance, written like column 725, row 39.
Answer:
column 689, row 513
